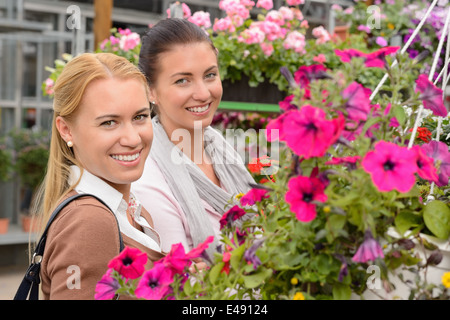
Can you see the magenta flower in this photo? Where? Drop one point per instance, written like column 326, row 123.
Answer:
column 306, row 74
column 107, row 286
column 231, row 215
column 431, row 96
column 377, row 58
column 130, row 263
column 286, row 104
column 155, row 283
column 349, row 162
column 425, row 165
column 198, row 251
column 316, row 132
column 374, row 59
column 275, row 127
column 391, row 167
column 358, row 102
column 348, row 54
column 253, row 196
column 176, row 260
column 439, row 152
column 302, row 191
column 369, row 250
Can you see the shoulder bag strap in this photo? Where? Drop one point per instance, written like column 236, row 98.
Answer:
column 29, row 286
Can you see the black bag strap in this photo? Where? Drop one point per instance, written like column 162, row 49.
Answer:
column 29, row 287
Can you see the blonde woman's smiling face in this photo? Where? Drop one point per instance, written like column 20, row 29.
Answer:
column 188, row 86
column 112, row 130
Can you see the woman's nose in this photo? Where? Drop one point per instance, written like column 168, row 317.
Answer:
column 130, row 136
column 201, row 91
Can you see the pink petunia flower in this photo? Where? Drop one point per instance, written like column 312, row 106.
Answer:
column 301, row 192
column 130, row 263
column 176, row 260
column 231, row 215
column 317, row 133
column 391, row 167
column 106, row 288
column 369, row 250
column 431, row 96
column 438, row 151
column 358, row 101
column 198, row 251
column 275, row 127
column 306, row 74
column 349, row 162
column 253, row 196
column 375, row 59
column 154, row 284
column 287, row 104
column 425, row 165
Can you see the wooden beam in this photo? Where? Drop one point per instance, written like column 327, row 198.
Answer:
column 102, row 20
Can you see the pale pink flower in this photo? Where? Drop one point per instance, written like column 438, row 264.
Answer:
column 224, row 24
column 287, row 13
column 275, row 16
column 129, row 41
column 252, row 35
column 296, row 41
column 267, row 48
column 320, row 58
column 201, row 18
column 265, row 4
column 295, row 2
column 321, row 34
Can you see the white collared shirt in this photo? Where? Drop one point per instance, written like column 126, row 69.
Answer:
column 91, row 184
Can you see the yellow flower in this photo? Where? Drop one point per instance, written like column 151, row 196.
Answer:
column 390, row 26
column 327, row 209
column 294, row 281
column 239, row 196
column 446, row 279
column 299, row 296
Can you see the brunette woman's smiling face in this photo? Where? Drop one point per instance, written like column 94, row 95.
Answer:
column 187, row 87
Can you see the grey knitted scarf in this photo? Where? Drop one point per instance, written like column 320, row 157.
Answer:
column 189, row 184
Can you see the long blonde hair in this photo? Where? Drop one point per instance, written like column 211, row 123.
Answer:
column 68, row 92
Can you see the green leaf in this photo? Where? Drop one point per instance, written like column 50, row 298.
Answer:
column 406, row 220
column 256, row 279
column 437, row 218
column 236, row 257
column 215, row 272
column 341, row 292
column 399, row 113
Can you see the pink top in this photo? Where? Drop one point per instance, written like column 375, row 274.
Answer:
column 169, row 219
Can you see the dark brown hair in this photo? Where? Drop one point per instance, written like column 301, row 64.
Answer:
column 162, row 37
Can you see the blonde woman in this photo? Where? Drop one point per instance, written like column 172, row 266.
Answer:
column 101, row 137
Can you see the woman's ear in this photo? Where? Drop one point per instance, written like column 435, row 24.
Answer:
column 63, row 129
column 152, row 96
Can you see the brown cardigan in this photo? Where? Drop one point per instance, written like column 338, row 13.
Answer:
column 84, row 235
